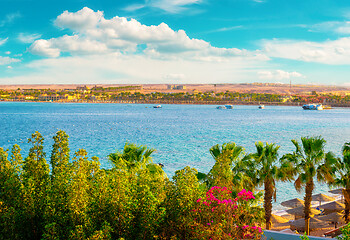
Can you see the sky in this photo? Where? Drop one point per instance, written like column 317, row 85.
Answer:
column 175, row 41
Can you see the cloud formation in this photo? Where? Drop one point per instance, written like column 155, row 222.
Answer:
column 9, row 18
column 328, row 52
column 169, row 6
column 94, row 34
column 338, row 27
column 28, row 38
column 127, row 69
column 278, row 75
column 8, row 60
column 3, row 41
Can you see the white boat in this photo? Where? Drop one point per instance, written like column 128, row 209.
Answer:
column 221, row 107
column 313, row 106
column 158, row 106
column 261, row 106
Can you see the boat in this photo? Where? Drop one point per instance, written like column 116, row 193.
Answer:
column 221, row 107
column 313, row 106
column 158, row 106
column 229, row 106
column 261, row 106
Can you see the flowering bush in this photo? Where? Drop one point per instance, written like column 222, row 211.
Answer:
column 219, row 216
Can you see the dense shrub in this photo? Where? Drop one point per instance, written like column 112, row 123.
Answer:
column 219, row 216
column 132, row 200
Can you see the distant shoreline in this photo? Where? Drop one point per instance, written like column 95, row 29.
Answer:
column 216, row 103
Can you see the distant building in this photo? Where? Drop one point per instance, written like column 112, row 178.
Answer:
column 176, row 87
column 83, row 88
column 45, row 97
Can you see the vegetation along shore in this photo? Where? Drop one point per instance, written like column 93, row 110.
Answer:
column 238, row 94
column 72, row 197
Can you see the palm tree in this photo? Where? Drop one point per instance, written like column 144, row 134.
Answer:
column 229, row 169
column 265, row 172
column 343, row 177
column 309, row 160
column 132, row 158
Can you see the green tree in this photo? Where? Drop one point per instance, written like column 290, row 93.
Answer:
column 147, row 182
column 230, row 168
column 11, row 194
column 266, row 172
column 84, row 172
column 132, row 158
column 36, row 186
column 309, row 160
column 343, row 178
column 57, row 219
column 181, row 196
column 7, row 212
column 60, row 153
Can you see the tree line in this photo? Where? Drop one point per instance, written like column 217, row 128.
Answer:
column 72, row 197
column 135, row 94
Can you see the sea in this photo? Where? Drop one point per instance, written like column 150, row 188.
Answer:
column 181, row 134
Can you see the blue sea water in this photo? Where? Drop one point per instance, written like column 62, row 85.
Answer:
column 181, row 134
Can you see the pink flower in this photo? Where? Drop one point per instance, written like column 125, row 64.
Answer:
column 245, row 226
column 245, row 195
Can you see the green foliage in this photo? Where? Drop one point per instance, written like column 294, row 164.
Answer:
column 310, row 160
column 342, row 179
column 230, row 168
column 181, row 195
column 304, row 237
column 345, row 233
column 132, row 158
column 134, row 199
column 220, row 216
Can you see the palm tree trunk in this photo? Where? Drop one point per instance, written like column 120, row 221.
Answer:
column 269, row 189
column 307, row 201
column 346, row 193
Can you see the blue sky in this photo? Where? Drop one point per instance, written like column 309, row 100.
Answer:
column 174, row 41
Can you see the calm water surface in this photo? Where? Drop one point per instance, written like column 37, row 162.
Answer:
column 181, row 134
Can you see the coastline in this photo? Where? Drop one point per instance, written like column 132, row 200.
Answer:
column 184, row 102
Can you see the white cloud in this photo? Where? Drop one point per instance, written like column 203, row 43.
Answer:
column 7, row 52
column 140, row 69
column 3, row 41
column 174, row 76
column 339, row 27
column 44, row 48
column 173, row 6
column 83, row 19
column 94, row 34
column 28, row 38
column 278, row 75
column 134, row 7
column 327, row 52
column 122, row 50
column 9, row 67
column 8, row 60
column 169, row 6
column 9, row 18
column 225, row 29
